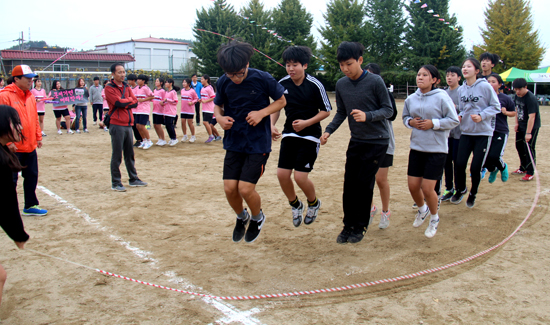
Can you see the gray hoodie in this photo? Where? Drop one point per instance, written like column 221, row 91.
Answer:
column 478, row 99
column 437, row 106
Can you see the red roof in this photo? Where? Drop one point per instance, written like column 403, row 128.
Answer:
column 73, row 56
column 148, row 40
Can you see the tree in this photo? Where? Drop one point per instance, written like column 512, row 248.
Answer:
column 254, row 33
column 509, row 33
column 291, row 21
column 220, row 18
column 386, row 29
column 429, row 40
column 345, row 21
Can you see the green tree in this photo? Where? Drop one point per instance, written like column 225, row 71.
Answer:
column 387, row 27
column 509, row 33
column 254, row 33
column 429, row 40
column 293, row 22
column 220, row 18
column 345, row 21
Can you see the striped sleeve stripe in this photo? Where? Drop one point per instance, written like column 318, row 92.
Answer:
column 322, row 91
column 284, row 78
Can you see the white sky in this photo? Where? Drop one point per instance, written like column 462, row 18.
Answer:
column 84, row 24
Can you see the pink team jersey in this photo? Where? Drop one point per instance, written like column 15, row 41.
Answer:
column 188, row 96
column 171, row 105
column 208, row 93
column 105, row 104
column 58, row 108
column 157, row 106
column 143, row 108
column 40, row 103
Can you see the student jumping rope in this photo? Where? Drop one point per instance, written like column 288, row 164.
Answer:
column 40, row 95
column 207, row 100
column 158, row 110
column 307, row 105
column 144, row 96
column 478, row 106
column 60, row 111
column 171, row 110
column 488, row 62
column 188, row 100
column 247, row 138
column 431, row 114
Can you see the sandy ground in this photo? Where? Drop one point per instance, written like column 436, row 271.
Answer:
column 177, row 232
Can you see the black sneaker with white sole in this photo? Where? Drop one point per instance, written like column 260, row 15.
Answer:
column 254, row 229
column 471, row 201
column 457, row 197
column 240, row 227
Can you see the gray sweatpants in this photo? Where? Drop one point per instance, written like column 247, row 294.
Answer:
column 121, row 142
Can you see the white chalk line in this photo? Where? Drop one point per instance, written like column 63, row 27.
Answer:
column 231, row 313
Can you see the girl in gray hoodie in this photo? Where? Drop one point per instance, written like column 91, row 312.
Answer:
column 431, row 114
column 478, row 105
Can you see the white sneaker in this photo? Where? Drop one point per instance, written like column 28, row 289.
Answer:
column 106, row 129
column 432, row 228
column 420, row 217
column 59, row 132
column 373, row 211
column 192, row 139
column 185, row 138
column 95, row 122
column 148, row 144
column 77, row 131
column 161, row 143
column 85, row 130
column 384, row 220
column 142, row 143
column 70, row 131
column 173, row 142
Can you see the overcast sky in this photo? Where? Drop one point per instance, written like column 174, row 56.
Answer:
column 84, row 24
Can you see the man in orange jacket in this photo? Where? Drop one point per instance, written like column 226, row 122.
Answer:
column 18, row 96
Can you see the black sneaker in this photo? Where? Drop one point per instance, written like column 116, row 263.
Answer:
column 471, row 201
column 447, row 196
column 344, row 235
column 254, row 229
column 357, row 235
column 137, row 144
column 457, row 197
column 240, row 228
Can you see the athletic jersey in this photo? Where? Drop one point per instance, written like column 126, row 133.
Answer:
column 188, row 96
column 143, row 108
column 57, row 107
column 134, row 91
column 302, row 103
column 501, row 125
column 158, row 108
column 105, row 104
column 208, row 93
column 39, row 95
column 171, row 105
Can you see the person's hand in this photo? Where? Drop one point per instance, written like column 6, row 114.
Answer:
column 324, row 138
column 39, row 144
column 190, row 103
column 275, row 134
column 20, row 244
column 414, row 122
column 299, row 125
column 476, row 118
column 528, row 137
column 12, row 147
column 516, row 128
column 459, row 119
column 358, row 115
column 425, row 124
column 255, row 117
column 503, row 110
column 226, row 122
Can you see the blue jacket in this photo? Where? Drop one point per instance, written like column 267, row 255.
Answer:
column 197, row 88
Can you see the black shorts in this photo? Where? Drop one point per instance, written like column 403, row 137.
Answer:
column 207, row 117
column 387, row 161
column 428, row 165
column 187, row 116
column 298, row 154
column 41, row 113
column 243, row 166
column 213, row 122
column 158, row 119
column 141, row 119
column 60, row 113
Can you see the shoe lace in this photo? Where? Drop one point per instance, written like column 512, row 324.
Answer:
column 296, row 212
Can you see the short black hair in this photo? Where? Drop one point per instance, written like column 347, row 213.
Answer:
column 143, row 77
column 96, row 78
column 373, row 68
column 297, row 54
column 433, row 72
column 454, row 69
column 519, row 83
column 105, row 82
column 193, row 75
column 114, row 65
column 494, row 58
column 349, row 50
column 132, row 76
column 234, row 56
column 497, row 77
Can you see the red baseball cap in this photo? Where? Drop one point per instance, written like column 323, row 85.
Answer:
column 23, row 71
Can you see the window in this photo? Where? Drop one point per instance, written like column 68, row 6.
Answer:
column 60, row 67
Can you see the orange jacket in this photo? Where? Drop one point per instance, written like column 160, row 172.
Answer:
column 25, row 104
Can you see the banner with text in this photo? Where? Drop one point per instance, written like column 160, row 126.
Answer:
column 65, row 97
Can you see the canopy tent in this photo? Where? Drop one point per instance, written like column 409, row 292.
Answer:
column 532, row 76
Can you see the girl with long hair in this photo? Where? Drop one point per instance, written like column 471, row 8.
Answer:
column 171, row 109
column 81, row 109
column 207, row 99
column 40, row 95
column 188, row 99
column 60, row 110
column 158, row 110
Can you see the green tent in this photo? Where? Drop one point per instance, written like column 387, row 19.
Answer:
column 532, row 76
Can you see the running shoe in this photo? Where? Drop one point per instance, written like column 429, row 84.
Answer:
column 141, row 144
column 457, row 197
column 210, row 139
column 240, row 227
column 192, row 139
column 312, row 212
column 95, row 122
column 161, row 143
column 173, row 142
column 59, row 132
column 254, row 229
column 344, row 235
column 70, row 131
column 148, row 144
column 138, row 144
column 185, row 138
column 483, row 172
column 44, row 134
column 493, row 176
column 86, row 131
column 106, row 129
column 527, row 178
column 138, row 183
column 504, row 175
column 384, row 220
column 447, row 195
column 471, row 201
column 118, row 188
column 357, row 235
column 432, row 228
column 297, row 214
column 35, row 210
column 518, row 171
column 373, row 211
column 218, row 138
column 420, row 217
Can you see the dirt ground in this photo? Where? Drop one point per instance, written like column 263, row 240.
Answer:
column 177, row 232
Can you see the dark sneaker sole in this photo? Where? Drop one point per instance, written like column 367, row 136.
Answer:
column 258, row 235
